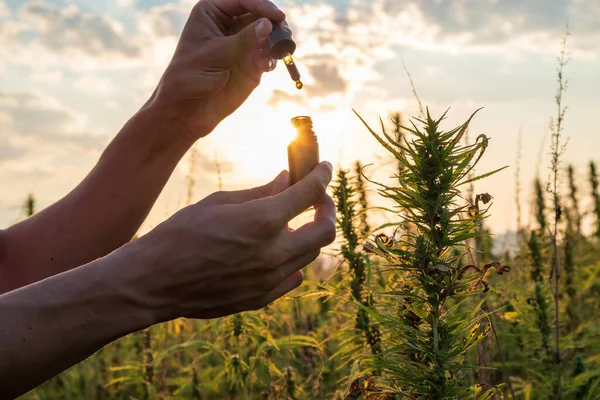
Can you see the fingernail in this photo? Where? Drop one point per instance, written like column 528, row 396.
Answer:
column 262, row 29
column 271, row 65
column 330, row 165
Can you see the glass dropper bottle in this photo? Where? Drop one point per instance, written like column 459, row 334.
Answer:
column 303, row 151
column 282, row 47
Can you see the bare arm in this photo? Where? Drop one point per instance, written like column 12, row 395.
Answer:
column 217, row 64
column 53, row 324
column 103, row 212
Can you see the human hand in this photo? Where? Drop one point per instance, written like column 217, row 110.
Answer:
column 233, row 251
column 219, row 61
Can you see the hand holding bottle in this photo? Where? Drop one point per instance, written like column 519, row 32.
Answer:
column 233, row 251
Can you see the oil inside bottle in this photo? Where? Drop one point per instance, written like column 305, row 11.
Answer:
column 293, row 70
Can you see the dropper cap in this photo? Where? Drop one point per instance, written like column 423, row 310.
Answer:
column 280, row 42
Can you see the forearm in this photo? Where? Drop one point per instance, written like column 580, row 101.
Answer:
column 51, row 325
column 104, row 211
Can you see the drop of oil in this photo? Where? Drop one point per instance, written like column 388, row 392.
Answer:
column 299, row 85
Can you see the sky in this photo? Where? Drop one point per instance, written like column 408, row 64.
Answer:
column 72, row 72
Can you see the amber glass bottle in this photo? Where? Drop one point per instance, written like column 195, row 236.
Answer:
column 303, row 152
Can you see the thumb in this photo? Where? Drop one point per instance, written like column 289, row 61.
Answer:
column 253, row 36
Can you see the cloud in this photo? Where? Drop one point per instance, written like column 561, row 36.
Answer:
column 494, row 20
column 279, row 96
column 327, row 80
column 125, row 3
column 163, row 21
column 506, row 27
column 35, row 118
column 34, row 114
column 521, row 24
column 68, row 30
column 337, row 53
column 8, row 151
column 343, row 48
column 95, row 85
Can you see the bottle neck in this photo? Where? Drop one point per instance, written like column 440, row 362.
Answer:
column 304, row 129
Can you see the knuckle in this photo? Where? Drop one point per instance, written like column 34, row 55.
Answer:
column 198, row 7
column 272, row 258
column 219, row 197
column 245, row 37
column 317, row 188
column 278, row 257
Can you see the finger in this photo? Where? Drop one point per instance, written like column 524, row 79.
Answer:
column 253, row 36
column 275, row 276
column 262, row 60
column 290, row 283
column 256, row 291
column 282, row 182
column 244, row 20
column 244, row 49
column 314, row 235
column 264, row 64
column 276, row 186
column 263, row 8
column 301, row 196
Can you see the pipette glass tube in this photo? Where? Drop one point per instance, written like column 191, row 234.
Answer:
column 293, row 70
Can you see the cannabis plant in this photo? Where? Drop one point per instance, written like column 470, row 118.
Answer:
column 426, row 332
column 344, row 193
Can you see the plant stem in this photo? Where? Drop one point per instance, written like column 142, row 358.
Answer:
column 434, row 326
column 414, row 89
column 503, row 359
column 557, row 150
column 518, row 181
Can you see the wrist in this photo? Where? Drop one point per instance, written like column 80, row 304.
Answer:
column 159, row 132
column 119, row 272
column 142, row 283
column 181, row 116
